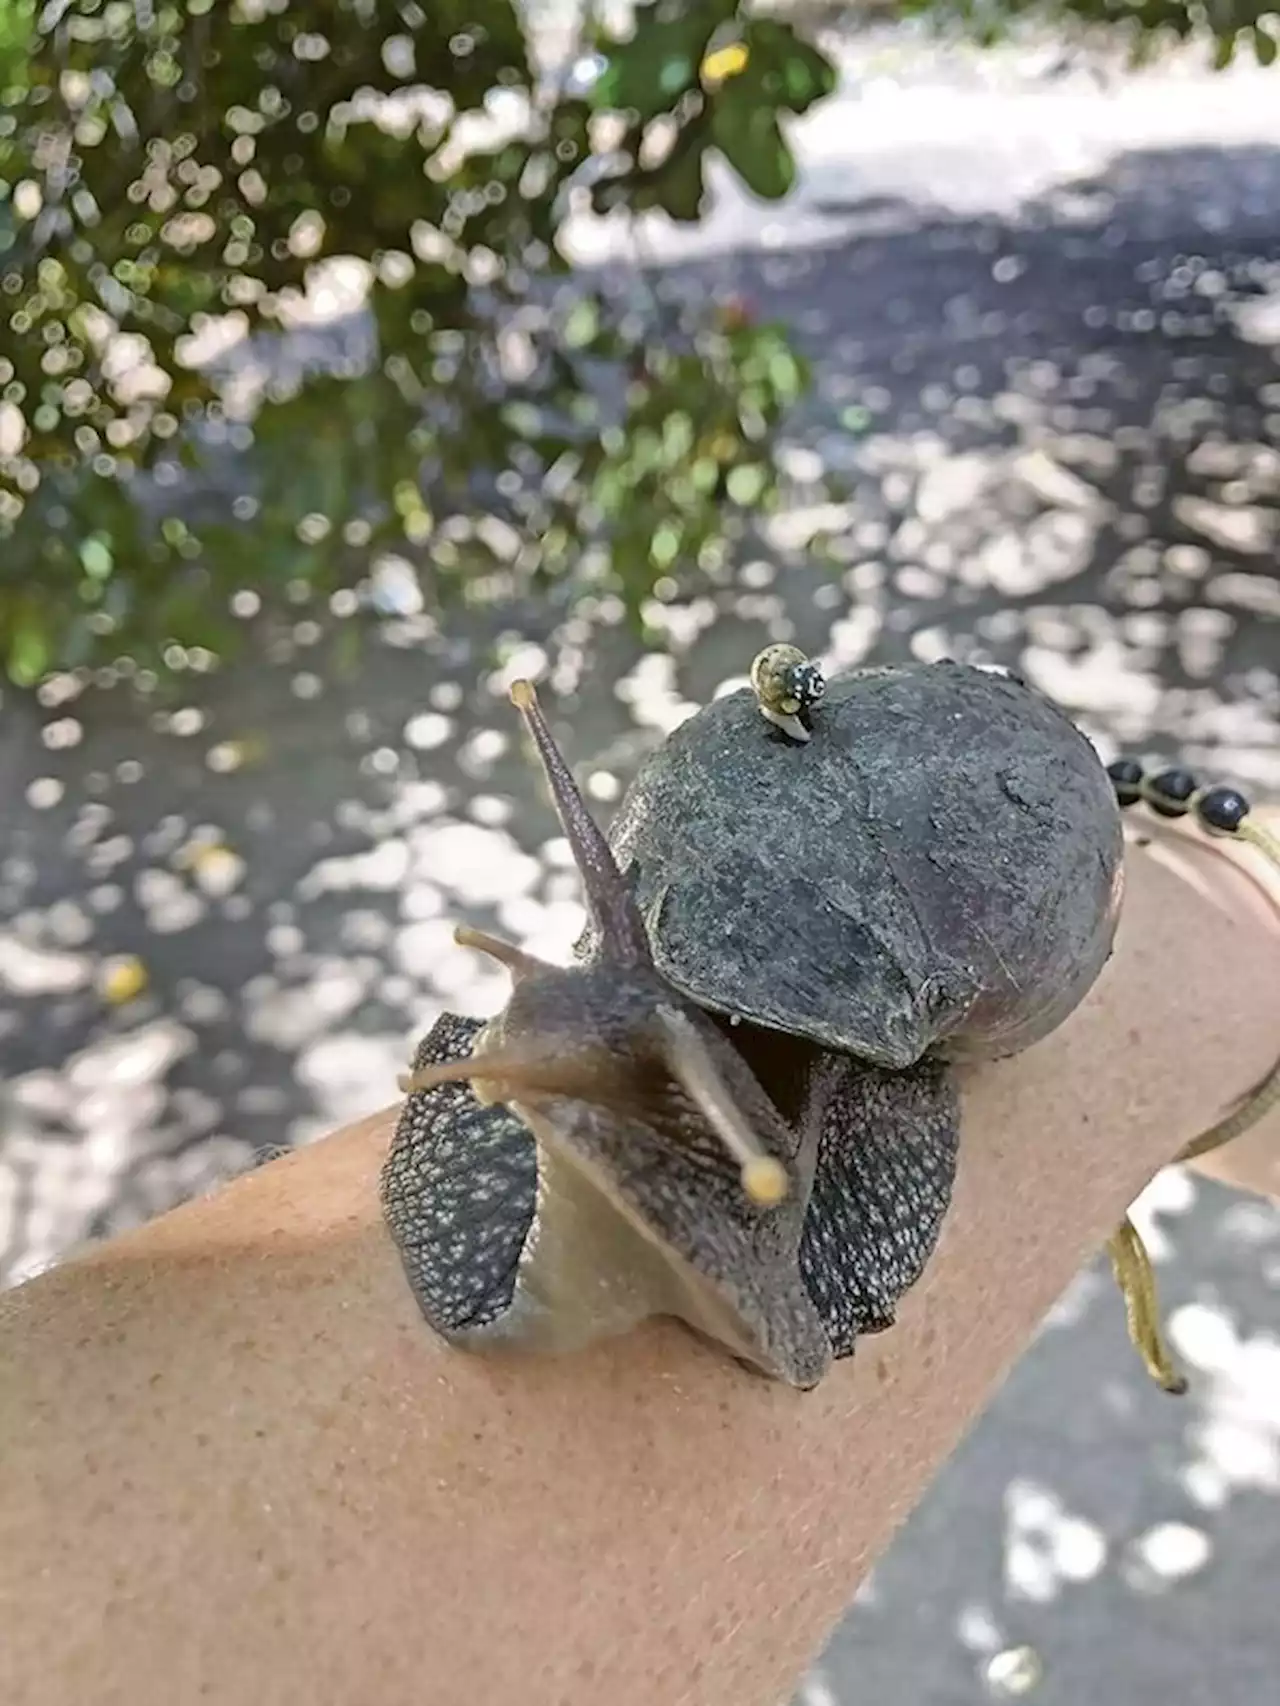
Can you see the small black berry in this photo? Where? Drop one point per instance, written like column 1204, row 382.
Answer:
column 1126, row 778
column 1170, row 792
column 1224, row 809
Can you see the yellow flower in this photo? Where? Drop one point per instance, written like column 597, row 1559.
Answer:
column 725, row 62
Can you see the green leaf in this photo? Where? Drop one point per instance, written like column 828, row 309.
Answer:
column 648, row 73
column 664, row 547
column 786, row 67
column 435, row 425
column 786, row 375
column 752, row 142
column 29, row 651
column 96, row 558
column 677, row 186
column 582, row 324
column 746, row 484
column 677, row 437
column 1265, row 45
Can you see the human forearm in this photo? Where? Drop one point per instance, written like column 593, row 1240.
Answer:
column 238, row 1466
column 1240, row 880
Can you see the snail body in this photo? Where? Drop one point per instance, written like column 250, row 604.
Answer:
column 601, row 1152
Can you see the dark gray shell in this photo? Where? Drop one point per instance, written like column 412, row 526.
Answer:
column 938, row 867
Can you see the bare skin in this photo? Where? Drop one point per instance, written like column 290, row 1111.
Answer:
column 236, row 1466
column 1241, row 879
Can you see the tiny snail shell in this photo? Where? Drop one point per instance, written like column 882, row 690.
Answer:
column 787, row 685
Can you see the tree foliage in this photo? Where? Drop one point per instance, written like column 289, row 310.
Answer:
column 175, row 176
column 180, row 172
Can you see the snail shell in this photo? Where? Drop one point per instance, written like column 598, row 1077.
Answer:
column 788, row 686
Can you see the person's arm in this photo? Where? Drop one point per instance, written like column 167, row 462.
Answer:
column 237, row 1466
column 1239, row 878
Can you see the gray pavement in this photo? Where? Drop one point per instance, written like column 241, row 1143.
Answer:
column 1054, row 310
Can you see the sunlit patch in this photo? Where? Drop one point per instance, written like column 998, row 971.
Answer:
column 1235, row 1438
column 226, row 756
column 490, row 810
column 45, row 793
column 977, row 1629
column 1013, row 1673
column 1250, row 1225
column 817, row 1690
column 649, row 691
column 1046, row 1547
column 381, row 868
column 428, row 730
column 30, row 971
column 61, row 734
column 338, row 1070
column 291, row 1014
column 1075, row 1302
column 167, row 903
column 1165, row 1555
column 1172, row 1192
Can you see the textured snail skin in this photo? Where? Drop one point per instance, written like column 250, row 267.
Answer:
column 573, row 1214
column 476, row 1226
column 886, row 1166
column 458, row 1192
column 939, row 867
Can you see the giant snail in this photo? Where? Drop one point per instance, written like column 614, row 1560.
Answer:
column 737, row 1106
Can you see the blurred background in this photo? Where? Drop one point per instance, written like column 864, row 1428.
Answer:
column 358, row 356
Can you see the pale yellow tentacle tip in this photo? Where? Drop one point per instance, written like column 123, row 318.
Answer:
column 765, row 1180
column 522, row 695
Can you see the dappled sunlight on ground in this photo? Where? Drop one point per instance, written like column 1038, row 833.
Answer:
column 1093, row 1537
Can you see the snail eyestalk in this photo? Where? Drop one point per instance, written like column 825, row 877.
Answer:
column 517, row 962
column 764, row 1179
column 787, row 686
column 502, row 1074
column 608, row 898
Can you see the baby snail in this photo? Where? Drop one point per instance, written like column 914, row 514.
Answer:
column 737, row 1106
column 787, row 686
